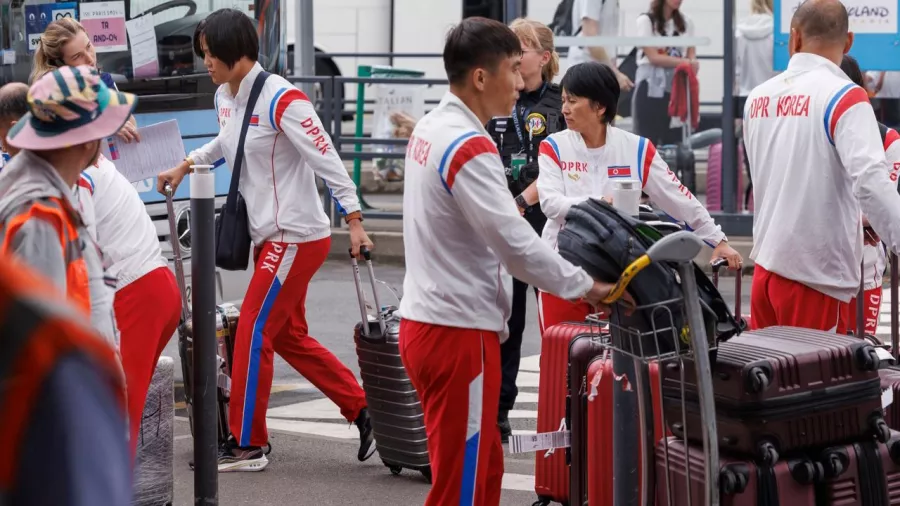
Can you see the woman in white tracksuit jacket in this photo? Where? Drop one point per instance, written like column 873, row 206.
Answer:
column 582, row 162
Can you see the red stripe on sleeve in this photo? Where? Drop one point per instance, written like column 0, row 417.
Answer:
column 855, row 96
column 547, row 149
column 84, row 184
column 648, row 161
column 891, row 137
column 473, row 147
column 286, row 99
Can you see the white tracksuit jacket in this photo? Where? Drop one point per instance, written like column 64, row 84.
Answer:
column 117, row 219
column 874, row 256
column 463, row 235
column 816, row 158
column 286, row 148
column 571, row 173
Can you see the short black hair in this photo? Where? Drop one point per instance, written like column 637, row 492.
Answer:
column 230, row 36
column 13, row 101
column 826, row 20
column 478, row 43
column 851, row 67
column 596, row 82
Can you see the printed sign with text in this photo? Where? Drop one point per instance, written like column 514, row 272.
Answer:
column 105, row 23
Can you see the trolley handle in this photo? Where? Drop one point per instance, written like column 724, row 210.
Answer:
column 176, row 252
column 361, row 296
column 738, row 278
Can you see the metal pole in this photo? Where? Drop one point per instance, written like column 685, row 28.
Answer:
column 626, row 435
column 304, row 48
column 729, row 142
column 203, row 274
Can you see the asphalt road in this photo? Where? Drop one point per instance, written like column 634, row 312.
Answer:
column 314, row 450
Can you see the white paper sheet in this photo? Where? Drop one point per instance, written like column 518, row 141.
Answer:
column 142, row 34
column 160, row 149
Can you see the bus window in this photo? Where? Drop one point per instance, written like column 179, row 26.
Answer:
column 179, row 84
column 491, row 9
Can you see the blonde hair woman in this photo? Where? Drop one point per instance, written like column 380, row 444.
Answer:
column 66, row 42
column 537, row 114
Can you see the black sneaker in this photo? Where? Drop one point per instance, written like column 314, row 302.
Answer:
column 234, row 458
column 503, row 425
column 366, row 438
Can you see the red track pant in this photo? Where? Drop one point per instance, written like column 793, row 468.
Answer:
column 456, row 373
column 273, row 319
column 871, row 311
column 552, row 311
column 147, row 314
column 776, row 300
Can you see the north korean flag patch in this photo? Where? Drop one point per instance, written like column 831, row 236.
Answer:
column 618, row 171
column 254, row 120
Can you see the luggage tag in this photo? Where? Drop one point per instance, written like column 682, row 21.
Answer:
column 549, row 441
column 518, row 161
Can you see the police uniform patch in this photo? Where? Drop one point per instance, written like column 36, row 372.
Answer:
column 536, row 123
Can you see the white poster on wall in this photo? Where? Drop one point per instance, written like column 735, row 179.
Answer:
column 866, row 16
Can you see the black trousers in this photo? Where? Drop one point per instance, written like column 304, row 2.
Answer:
column 511, row 350
column 651, row 117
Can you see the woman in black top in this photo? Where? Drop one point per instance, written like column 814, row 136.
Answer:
column 536, row 115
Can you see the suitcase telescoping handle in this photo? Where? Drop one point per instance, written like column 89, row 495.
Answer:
column 176, row 253
column 895, row 307
column 718, row 264
column 361, row 296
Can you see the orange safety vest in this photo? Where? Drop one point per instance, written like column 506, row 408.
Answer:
column 37, row 329
column 64, row 219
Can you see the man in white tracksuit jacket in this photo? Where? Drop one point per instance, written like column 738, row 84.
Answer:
column 818, row 163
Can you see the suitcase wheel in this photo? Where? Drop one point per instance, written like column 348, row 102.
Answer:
column 834, row 462
column 880, row 429
column 868, row 358
column 734, row 480
column 427, row 474
column 541, row 502
column 768, row 455
column 395, row 470
column 806, row 472
column 758, row 379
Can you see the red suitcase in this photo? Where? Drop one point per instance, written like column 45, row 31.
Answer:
column 601, row 382
column 784, row 388
column 741, row 482
column 866, row 473
column 551, row 472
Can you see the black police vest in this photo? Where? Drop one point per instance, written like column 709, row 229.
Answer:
column 543, row 119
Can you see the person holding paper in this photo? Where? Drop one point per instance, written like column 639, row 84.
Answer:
column 286, row 148
column 66, row 42
column 585, row 161
column 147, row 301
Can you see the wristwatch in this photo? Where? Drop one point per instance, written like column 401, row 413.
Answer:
column 520, row 201
column 356, row 215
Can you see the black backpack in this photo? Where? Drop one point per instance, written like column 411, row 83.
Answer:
column 562, row 19
column 604, row 242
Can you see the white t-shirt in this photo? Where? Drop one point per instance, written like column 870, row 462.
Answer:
column 606, row 13
column 645, row 28
column 891, row 86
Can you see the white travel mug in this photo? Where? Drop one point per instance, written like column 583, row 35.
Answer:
column 627, row 196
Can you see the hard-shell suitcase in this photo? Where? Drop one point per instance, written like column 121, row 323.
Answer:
column 226, row 327
column 599, row 396
column 154, row 478
column 582, row 351
column 784, row 388
column 551, row 471
column 394, row 407
column 863, row 473
column 714, row 179
column 679, row 476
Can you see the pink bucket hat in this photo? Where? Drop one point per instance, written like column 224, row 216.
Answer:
column 70, row 106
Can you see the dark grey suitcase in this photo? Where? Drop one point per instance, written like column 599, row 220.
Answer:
column 397, row 418
column 154, row 478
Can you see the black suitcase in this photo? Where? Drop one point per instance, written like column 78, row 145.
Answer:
column 226, row 327
column 394, row 407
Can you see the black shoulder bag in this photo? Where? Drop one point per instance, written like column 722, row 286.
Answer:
column 232, row 223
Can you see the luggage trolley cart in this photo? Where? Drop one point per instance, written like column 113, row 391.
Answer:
column 644, row 347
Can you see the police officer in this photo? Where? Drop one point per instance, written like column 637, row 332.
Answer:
column 536, row 115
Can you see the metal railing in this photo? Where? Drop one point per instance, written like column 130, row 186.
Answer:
column 351, row 147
